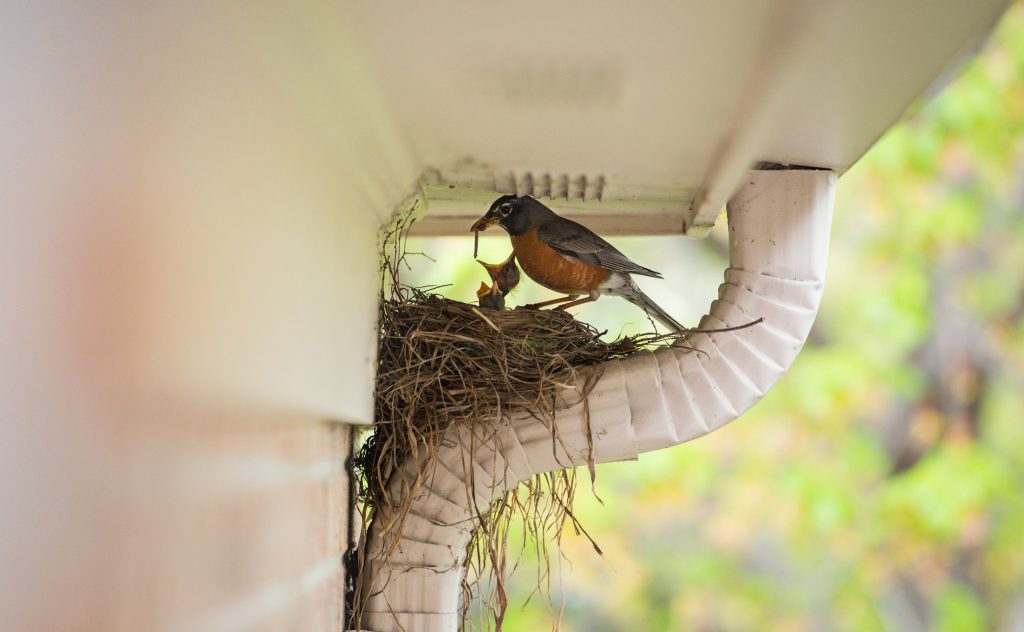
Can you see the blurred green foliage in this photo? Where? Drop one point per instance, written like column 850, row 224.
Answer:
column 878, row 486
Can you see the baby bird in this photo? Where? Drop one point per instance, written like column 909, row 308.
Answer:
column 490, row 297
column 504, row 276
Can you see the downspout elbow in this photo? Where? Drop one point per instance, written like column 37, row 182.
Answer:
column 779, row 224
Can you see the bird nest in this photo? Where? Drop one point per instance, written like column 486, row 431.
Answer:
column 442, row 364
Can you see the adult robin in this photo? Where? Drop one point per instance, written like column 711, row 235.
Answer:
column 568, row 257
column 504, row 276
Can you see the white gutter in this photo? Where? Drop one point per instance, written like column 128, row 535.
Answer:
column 778, row 244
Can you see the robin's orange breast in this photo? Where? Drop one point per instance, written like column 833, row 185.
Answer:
column 555, row 271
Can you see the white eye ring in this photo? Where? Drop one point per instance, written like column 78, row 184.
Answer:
column 505, row 209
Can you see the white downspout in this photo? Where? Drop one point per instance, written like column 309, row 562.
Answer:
column 778, row 244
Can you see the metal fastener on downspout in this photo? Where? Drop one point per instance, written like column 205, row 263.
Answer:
column 778, row 245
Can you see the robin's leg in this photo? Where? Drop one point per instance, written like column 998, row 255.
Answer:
column 553, row 301
column 593, row 297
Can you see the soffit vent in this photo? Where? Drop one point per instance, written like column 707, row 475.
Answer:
column 544, row 185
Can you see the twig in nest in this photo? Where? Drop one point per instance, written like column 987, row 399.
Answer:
column 486, row 320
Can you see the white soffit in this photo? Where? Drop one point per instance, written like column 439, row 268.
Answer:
column 641, row 118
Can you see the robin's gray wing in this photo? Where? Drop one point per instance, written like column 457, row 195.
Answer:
column 579, row 242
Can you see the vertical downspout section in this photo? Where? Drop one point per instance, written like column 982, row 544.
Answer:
column 779, row 225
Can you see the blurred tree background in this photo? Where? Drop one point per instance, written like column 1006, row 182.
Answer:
column 878, row 486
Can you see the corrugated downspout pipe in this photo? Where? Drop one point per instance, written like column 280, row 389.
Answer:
column 778, row 243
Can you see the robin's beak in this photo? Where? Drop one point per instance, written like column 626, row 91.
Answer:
column 483, row 223
column 483, row 291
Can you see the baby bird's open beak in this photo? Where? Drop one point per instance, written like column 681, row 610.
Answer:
column 492, row 270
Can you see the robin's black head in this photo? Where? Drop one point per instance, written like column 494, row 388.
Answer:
column 514, row 214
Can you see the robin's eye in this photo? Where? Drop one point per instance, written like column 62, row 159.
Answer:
column 505, row 209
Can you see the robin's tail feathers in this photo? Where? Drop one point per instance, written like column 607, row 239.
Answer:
column 635, row 295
